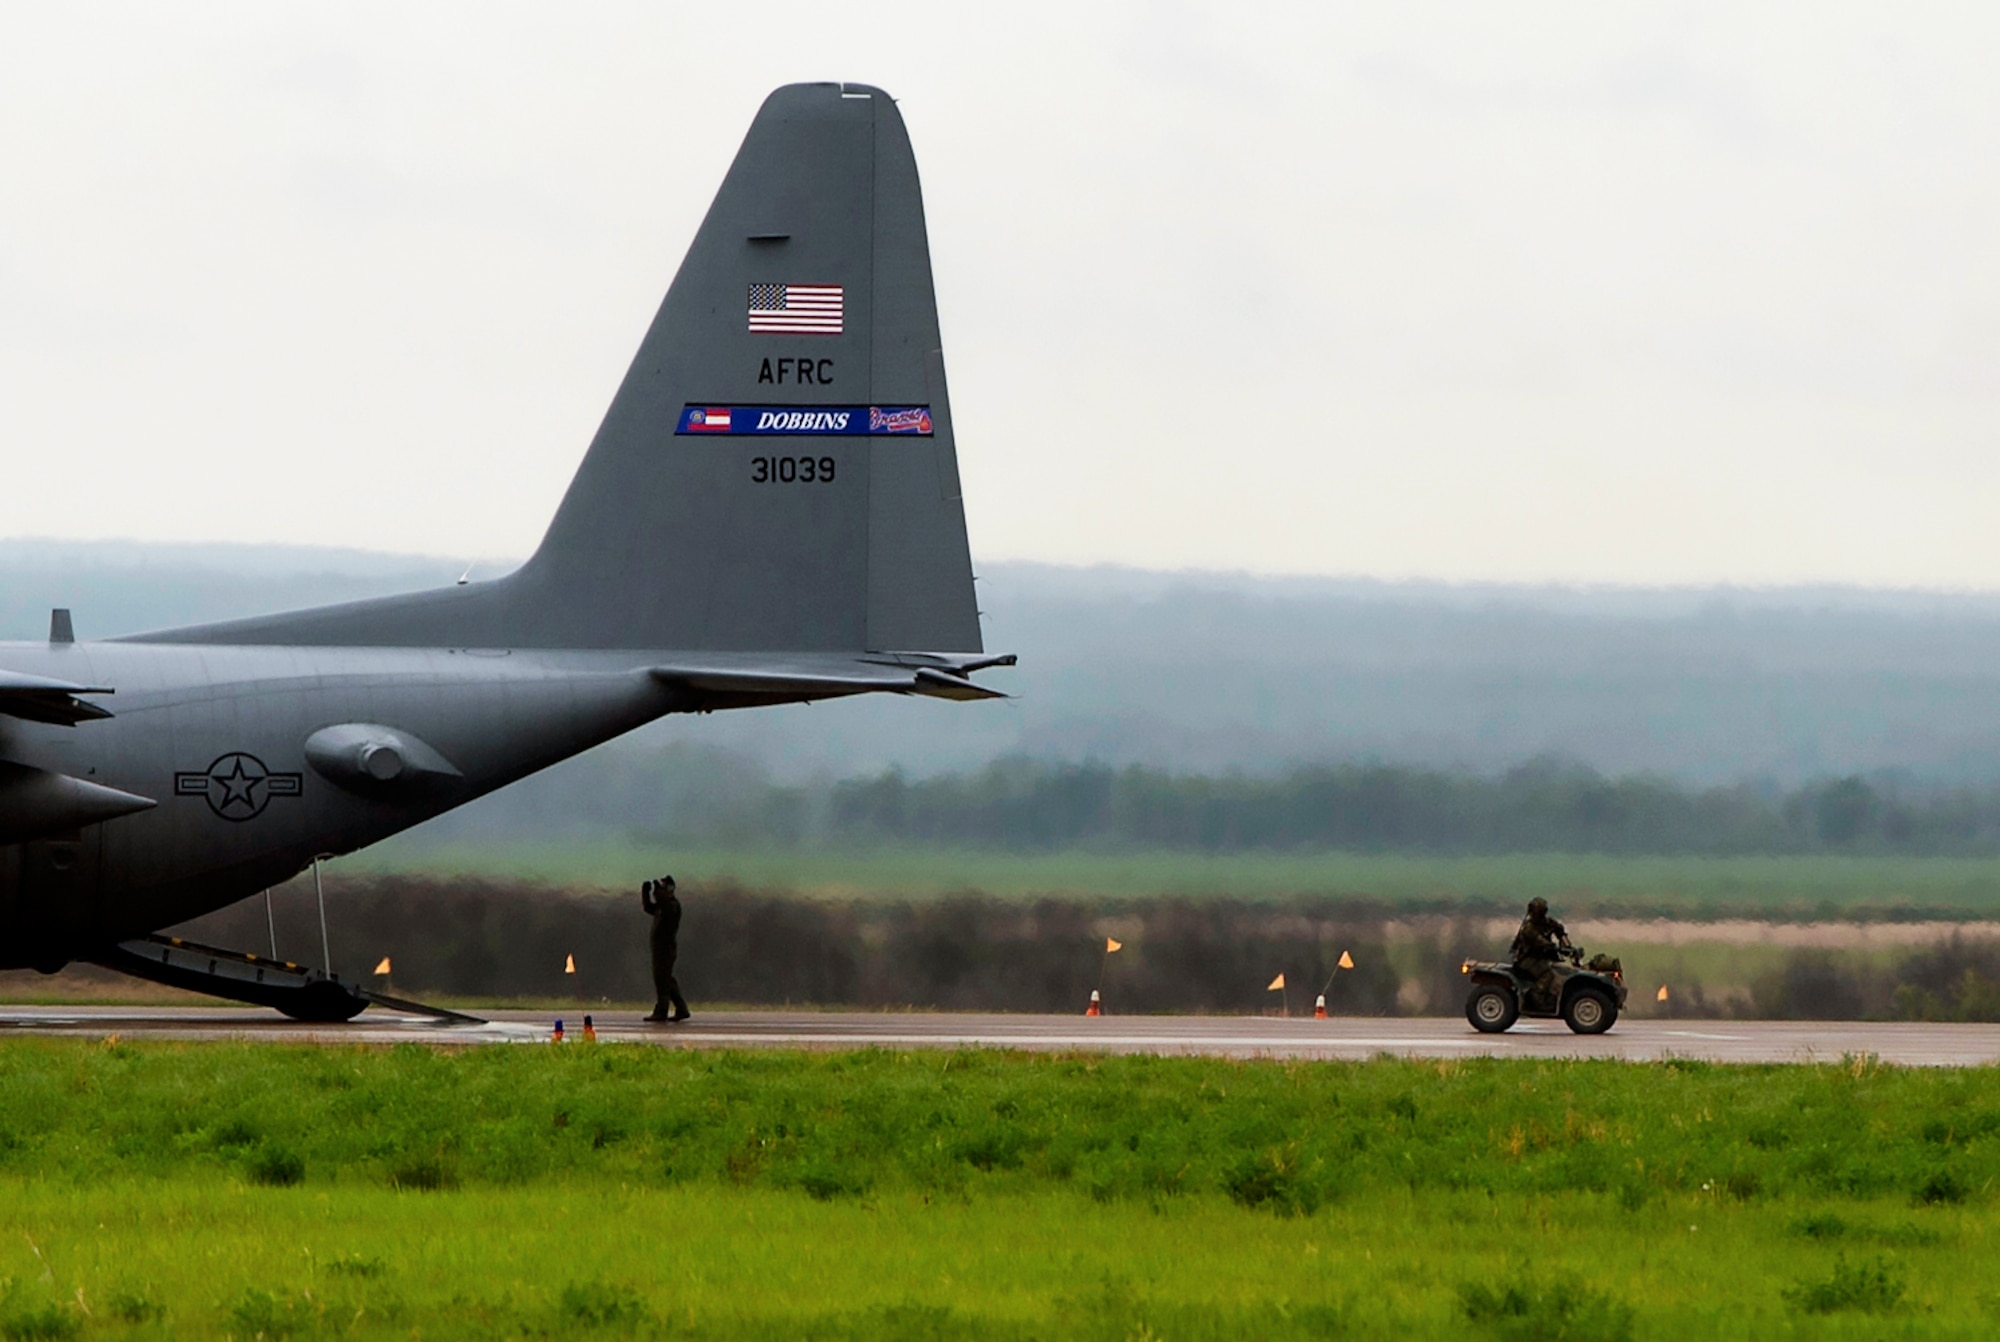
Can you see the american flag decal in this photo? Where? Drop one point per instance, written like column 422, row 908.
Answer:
column 798, row 309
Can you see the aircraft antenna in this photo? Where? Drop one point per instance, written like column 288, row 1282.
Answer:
column 325, row 951
column 271, row 920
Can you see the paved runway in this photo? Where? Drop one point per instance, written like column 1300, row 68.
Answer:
column 1227, row 1036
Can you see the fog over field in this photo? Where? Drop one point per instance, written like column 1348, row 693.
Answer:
column 1217, row 673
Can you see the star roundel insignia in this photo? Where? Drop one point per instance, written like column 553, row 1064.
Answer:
column 237, row 786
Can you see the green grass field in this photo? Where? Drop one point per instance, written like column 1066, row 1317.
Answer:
column 1755, row 886
column 208, row 1190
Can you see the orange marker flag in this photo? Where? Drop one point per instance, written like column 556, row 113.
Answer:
column 1110, row 945
column 569, row 964
column 1276, row 984
column 383, row 968
column 1663, row 993
column 1346, row 960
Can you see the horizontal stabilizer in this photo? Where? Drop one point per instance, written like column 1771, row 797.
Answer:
column 949, row 685
column 39, row 699
column 730, row 687
column 35, row 803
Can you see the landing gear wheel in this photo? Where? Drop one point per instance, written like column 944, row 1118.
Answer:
column 1491, row 1009
column 324, row 1004
column 1589, row 1011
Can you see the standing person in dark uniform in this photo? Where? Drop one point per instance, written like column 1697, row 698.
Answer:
column 664, row 907
column 1538, row 945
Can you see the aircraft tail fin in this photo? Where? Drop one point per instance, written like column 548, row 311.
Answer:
column 778, row 469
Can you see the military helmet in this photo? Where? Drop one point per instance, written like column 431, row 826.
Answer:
column 1538, row 907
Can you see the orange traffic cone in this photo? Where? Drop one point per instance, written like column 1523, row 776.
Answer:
column 1319, row 1008
column 557, row 1037
column 1096, row 1007
column 589, row 1030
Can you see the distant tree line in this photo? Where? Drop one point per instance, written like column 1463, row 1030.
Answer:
column 1542, row 806
column 496, row 940
column 488, row 941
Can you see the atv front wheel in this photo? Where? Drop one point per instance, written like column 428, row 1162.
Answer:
column 1491, row 1009
column 1589, row 1011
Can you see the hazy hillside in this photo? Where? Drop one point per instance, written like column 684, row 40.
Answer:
column 1221, row 672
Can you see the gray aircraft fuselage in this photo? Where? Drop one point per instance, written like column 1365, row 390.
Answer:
column 496, row 715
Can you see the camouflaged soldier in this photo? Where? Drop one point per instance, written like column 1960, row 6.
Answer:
column 1538, row 946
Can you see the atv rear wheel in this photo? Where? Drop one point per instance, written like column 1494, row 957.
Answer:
column 1491, row 1008
column 1589, row 1011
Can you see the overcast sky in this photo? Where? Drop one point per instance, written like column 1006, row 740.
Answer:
column 1600, row 293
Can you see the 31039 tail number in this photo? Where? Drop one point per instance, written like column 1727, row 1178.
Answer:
column 791, row 470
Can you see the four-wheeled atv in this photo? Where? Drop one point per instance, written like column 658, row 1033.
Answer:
column 1587, row 996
